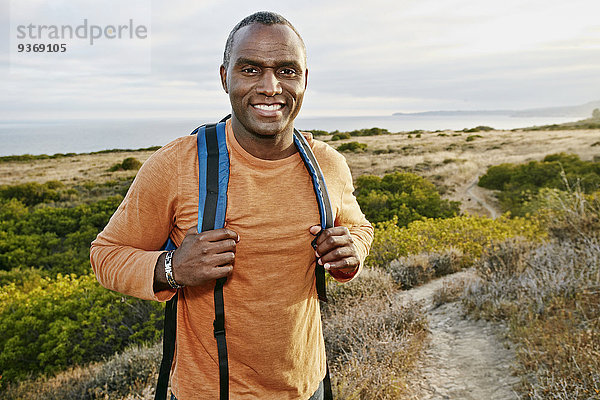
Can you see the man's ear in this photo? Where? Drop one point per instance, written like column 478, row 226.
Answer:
column 223, row 72
column 306, row 79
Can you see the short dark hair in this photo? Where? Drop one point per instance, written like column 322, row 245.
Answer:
column 261, row 17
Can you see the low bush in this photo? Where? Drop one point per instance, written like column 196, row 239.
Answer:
column 373, row 345
column 69, row 321
column 480, row 128
column 131, row 372
column 371, row 283
column 33, row 193
column 354, row 147
column 549, row 296
column 470, row 138
column 467, row 234
column 519, row 184
column 406, row 196
column 51, row 239
column 341, row 136
column 317, row 132
column 128, row 164
column 416, row 269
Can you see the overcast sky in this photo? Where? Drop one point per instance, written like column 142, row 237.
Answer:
column 365, row 57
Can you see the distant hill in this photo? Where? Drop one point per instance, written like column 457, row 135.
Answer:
column 579, row 111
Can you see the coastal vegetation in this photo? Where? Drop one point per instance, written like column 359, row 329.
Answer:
column 521, row 186
column 64, row 336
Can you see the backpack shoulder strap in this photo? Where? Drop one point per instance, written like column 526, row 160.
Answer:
column 213, row 166
column 325, row 211
column 326, row 214
column 213, row 163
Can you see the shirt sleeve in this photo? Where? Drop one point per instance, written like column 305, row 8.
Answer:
column 351, row 216
column 124, row 254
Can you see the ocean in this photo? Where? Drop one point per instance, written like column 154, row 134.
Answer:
column 82, row 136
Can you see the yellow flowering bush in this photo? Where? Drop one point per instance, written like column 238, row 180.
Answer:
column 469, row 234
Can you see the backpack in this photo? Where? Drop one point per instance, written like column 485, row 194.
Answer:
column 213, row 161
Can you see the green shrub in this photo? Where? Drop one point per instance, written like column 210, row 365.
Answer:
column 470, row 138
column 341, row 136
column 51, row 239
column 355, row 147
column 33, row 193
column 407, row 196
column 369, row 132
column 359, row 132
column 519, row 184
column 69, row 321
column 128, row 164
column 318, row 132
column 479, row 128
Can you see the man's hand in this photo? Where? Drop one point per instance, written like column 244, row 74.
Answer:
column 201, row 258
column 335, row 250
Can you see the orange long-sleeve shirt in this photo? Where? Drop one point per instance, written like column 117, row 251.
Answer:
column 274, row 337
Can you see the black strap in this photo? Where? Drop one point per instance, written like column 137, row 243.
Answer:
column 327, row 392
column 208, row 223
column 219, row 332
column 169, row 334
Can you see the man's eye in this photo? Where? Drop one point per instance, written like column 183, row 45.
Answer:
column 288, row 71
column 249, row 70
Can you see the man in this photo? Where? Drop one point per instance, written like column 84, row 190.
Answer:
column 274, row 336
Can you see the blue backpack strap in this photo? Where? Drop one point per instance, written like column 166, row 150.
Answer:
column 213, row 165
column 213, row 180
column 325, row 211
column 326, row 214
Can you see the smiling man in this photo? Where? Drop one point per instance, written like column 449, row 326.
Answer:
column 269, row 246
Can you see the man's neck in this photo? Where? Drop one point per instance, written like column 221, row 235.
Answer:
column 273, row 147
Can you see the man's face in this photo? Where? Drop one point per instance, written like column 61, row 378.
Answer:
column 266, row 78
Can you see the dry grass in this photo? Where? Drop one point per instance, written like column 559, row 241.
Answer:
column 416, row 269
column 69, row 170
column 450, row 292
column 373, row 342
column 128, row 374
column 550, row 296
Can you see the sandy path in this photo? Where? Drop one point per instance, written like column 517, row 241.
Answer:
column 466, row 359
column 476, row 193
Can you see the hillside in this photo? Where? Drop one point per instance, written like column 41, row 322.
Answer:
column 453, row 161
column 420, row 344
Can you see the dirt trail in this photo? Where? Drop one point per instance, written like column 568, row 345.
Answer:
column 466, row 359
column 474, row 199
column 475, row 192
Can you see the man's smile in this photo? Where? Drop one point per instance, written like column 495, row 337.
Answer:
column 268, row 107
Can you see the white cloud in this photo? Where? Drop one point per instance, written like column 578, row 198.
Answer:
column 372, row 58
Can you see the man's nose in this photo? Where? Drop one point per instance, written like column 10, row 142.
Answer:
column 269, row 84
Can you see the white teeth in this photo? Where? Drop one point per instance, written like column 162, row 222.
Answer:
column 266, row 107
